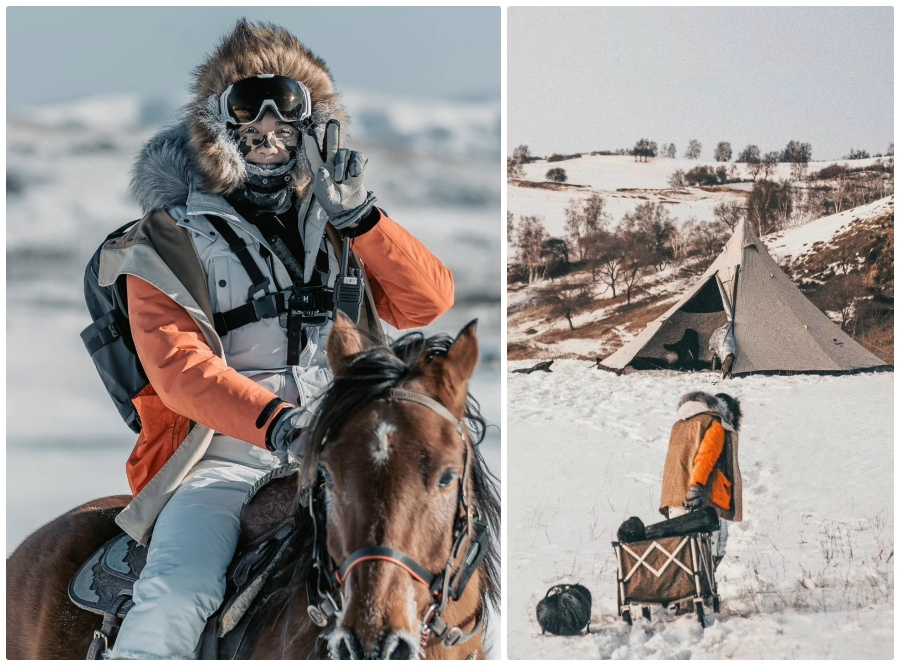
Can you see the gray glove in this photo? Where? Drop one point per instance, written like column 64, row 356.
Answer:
column 694, row 498
column 338, row 183
column 286, row 429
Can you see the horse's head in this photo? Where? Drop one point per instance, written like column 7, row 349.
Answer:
column 390, row 447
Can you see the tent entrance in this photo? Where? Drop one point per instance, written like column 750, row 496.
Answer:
column 689, row 327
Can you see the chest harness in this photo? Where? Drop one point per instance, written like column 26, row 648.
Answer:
column 470, row 546
column 306, row 304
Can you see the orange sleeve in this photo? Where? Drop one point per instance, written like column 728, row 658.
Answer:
column 708, row 454
column 185, row 373
column 411, row 286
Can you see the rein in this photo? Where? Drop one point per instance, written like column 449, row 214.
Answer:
column 442, row 586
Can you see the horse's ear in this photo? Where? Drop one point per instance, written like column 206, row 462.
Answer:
column 344, row 342
column 458, row 365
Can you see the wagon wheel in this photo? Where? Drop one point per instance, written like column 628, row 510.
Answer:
column 645, row 612
column 626, row 615
column 698, row 608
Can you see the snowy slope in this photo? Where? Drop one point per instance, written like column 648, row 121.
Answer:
column 808, row 574
column 527, row 321
column 799, row 240
column 625, row 183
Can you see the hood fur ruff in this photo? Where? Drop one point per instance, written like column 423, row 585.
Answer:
column 698, row 402
column 198, row 147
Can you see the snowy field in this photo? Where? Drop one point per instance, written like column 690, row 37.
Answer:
column 625, row 184
column 808, row 574
column 433, row 165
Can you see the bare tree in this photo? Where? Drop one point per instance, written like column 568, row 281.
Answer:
column 769, row 164
column 609, row 261
column 513, row 169
column 769, row 206
column 677, row 179
column 651, row 227
column 669, row 151
column 530, row 240
column 706, row 238
column 693, row 150
column 584, row 216
column 722, row 152
column 567, row 299
column 729, row 213
column 522, row 154
column 644, row 148
column 637, row 258
column 510, row 227
column 752, row 158
column 799, row 155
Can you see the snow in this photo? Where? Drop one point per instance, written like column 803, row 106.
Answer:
column 808, row 574
column 625, row 184
column 794, row 242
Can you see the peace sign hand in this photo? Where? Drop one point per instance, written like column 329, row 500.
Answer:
column 338, row 183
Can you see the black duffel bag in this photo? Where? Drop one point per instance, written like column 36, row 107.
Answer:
column 565, row 610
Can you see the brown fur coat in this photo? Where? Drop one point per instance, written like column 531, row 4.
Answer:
column 684, row 442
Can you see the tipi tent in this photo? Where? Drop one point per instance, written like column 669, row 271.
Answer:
column 775, row 326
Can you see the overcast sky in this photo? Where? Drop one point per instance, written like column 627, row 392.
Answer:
column 582, row 79
column 59, row 53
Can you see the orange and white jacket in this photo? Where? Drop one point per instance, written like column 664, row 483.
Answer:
column 201, row 383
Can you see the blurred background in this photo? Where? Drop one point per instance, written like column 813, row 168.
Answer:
column 422, row 87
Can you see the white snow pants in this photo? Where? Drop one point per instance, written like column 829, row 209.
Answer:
column 718, row 539
column 183, row 583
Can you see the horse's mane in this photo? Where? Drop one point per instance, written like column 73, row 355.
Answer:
column 368, row 377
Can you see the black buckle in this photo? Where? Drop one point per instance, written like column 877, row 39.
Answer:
column 266, row 307
column 257, row 288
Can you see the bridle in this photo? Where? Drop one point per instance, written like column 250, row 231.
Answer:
column 448, row 584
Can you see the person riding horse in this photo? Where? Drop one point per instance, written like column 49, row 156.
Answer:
column 266, row 211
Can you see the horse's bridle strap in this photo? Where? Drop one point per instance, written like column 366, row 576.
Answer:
column 385, row 554
column 425, row 401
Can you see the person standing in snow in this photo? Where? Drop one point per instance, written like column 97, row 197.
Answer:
column 702, row 462
column 229, row 276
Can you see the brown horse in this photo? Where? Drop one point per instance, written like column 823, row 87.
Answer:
column 401, row 501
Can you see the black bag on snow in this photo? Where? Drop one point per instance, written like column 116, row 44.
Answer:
column 108, row 340
column 565, row 610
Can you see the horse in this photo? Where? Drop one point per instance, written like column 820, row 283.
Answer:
column 397, row 520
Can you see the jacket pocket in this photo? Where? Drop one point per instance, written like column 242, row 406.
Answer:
column 720, row 491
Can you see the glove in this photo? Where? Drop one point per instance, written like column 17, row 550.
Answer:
column 338, row 183
column 286, row 428
column 694, row 498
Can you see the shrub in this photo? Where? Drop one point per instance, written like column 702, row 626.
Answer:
column 557, row 175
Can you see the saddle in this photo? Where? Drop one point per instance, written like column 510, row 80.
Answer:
column 103, row 584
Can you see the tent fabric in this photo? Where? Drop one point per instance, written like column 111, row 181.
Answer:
column 777, row 329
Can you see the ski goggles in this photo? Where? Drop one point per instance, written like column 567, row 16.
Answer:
column 247, row 101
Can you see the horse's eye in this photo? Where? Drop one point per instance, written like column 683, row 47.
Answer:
column 446, row 479
column 326, row 476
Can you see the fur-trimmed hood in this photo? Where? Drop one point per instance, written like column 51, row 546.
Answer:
column 197, row 151
column 698, row 402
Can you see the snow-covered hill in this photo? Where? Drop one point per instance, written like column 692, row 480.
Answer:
column 533, row 332
column 790, row 244
column 809, row 573
column 625, row 183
